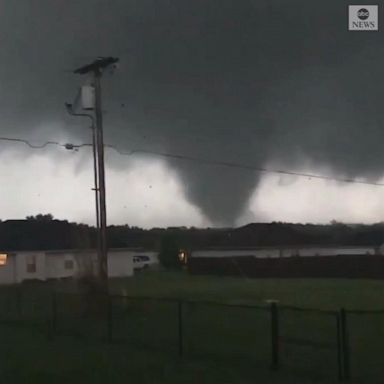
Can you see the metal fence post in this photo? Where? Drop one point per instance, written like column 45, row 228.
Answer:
column 180, row 327
column 109, row 318
column 275, row 336
column 339, row 349
column 53, row 327
column 345, row 344
column 18, row 302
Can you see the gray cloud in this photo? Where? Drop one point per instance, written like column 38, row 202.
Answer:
column 261, row 82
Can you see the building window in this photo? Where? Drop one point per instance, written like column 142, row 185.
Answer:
column 3, row 259
column 183, row 256
column 31, row 263
column 68, row 264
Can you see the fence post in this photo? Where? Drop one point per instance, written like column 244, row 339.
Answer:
column 18, row 301
column 54, row 312
column 345, row 344
column 274, row 335
column 109, row 318
column 53, row 325
column 339, row 349
column 180, row 327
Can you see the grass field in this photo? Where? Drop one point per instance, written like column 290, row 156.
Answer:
column 312, row 293
column 221, row 344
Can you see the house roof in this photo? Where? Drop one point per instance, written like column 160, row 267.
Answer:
column 59, row 251
column 278, row 248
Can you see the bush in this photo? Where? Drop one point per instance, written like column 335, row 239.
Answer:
column 169, row 252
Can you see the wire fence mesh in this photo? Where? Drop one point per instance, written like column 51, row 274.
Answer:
column 145, row 321
column 27, row 308
column 309, row 341
column 366, row 345
column 80, row 315
column 10, row 306
column 227, row 331
column 323, row 344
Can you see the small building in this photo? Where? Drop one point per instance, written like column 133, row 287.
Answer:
column 275, row 252
column 17, row 266
column 290, row 262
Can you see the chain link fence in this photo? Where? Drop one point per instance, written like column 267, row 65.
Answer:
column 309, row 341
column 365, row 345
column 327, row 345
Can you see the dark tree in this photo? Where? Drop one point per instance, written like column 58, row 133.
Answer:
column 169, row 251
column 40, row 217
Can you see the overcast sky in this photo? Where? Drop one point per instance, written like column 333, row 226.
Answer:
column 261, row 82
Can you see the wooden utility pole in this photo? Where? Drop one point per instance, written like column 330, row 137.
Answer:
column 96, row 68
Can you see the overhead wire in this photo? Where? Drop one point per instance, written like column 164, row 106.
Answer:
column 29, row 144
column 68, row 146
column 243, row 166
column 195, row 159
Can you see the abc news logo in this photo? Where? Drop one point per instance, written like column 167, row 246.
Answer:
column 363, row 18
column 363, row 14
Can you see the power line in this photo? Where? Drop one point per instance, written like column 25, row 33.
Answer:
column 67, row 146
column 243, row 166
column 199, row 160
column 26, row 142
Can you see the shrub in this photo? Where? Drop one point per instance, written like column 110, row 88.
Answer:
column 169, row 252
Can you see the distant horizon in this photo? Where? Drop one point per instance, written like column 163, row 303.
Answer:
column 332, row 222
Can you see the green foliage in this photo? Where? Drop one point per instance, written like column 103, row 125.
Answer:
column 169, row 252
column 43, row 231
column 40, row 217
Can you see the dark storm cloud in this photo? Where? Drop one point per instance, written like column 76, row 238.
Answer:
column 261, row 82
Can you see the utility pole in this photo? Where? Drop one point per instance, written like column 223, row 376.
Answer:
column 96, row 181
column 96, row 68
column 70, row 110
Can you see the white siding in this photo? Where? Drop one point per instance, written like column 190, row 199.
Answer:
column 55, row 264
column 86, row 263
column 8, row 271
column 21, row 266
column 120, row 263
column 52, row 264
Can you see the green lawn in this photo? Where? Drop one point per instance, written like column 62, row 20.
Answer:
column 221, row 344
column 312, row 293
column 28, row 358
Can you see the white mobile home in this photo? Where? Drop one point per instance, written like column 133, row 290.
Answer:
column 18, row 266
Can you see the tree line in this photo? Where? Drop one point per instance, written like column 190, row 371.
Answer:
column 44, row 232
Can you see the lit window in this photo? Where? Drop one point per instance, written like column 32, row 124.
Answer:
column 68, row 264
column 183, row 257
column 3, row 258
column 31, row 263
